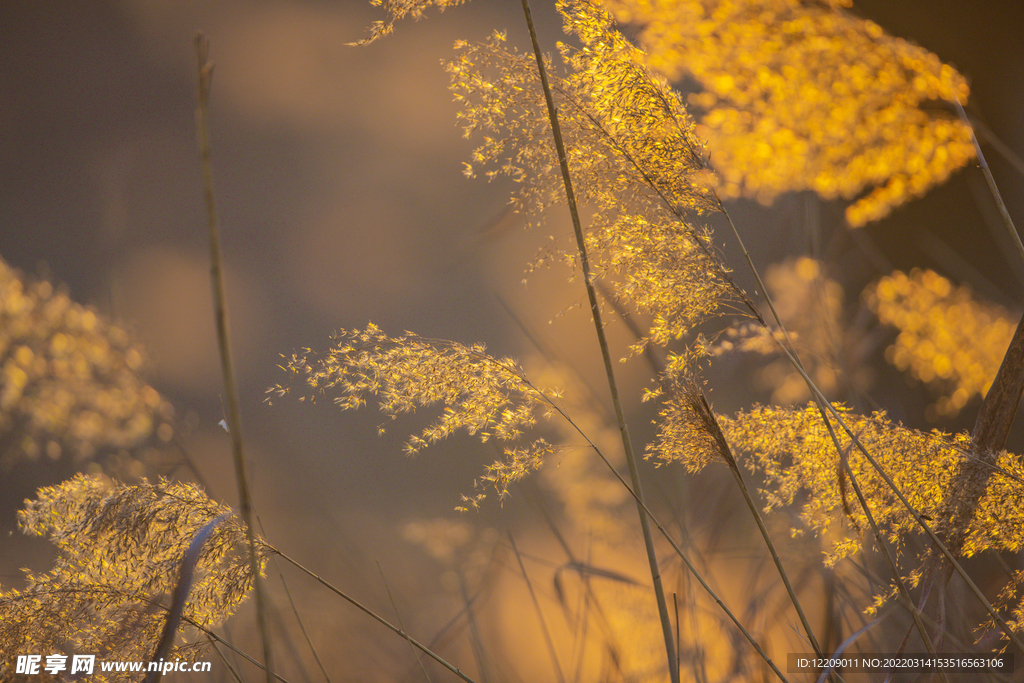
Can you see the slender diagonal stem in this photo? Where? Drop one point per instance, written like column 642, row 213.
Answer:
column 826, row 408
column 999, row 406
column 548, row 641
column 915, row 612
column 204, row 70
column 668, row 537
column 1007, row 221
column 366, row 610
column 723, row 446
column 231, row 669
column 394, row 606
column 595, row 308
column 213, row 636
column 299, row 620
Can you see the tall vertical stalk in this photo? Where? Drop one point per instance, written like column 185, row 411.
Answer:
column 204, row 70
column 631, row 460
column 999, row 407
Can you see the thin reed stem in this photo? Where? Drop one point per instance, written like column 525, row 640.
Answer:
column 231, row 669
column 398, row 615
column 987, row 172
column 366, row 610
column 1001, row 147
column 588, row 600
column 548, row 641
column 301, row 623
column 825, row 406
column 723, row 446
column 915, row 612
column 474, row 630
column 252, row 660
column 204, row 70
column 998, row 408
column 664, row 532
column 595, row 308
column 716, row 431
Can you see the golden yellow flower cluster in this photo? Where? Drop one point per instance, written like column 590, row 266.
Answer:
column 70, row 381
column 398, row 10
column 482, row 395
column 801, row 96
column 794, row 450
column 947, row 338
column 632, row 153
column 121, row 550
column 685, row 433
